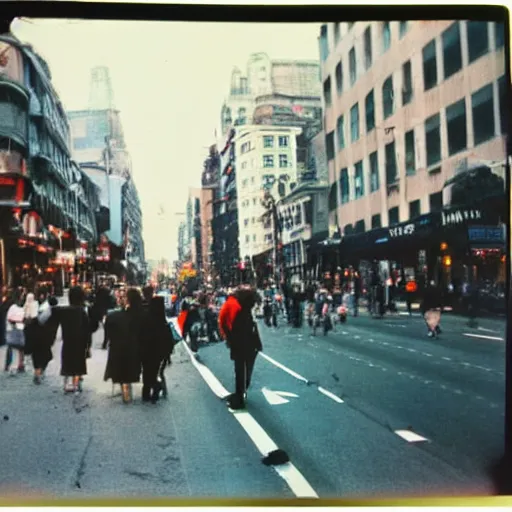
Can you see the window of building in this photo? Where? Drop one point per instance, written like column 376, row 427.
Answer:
column 414, row 209
column 410, row 153
column 503, row 90
column 478, row 39
column 376, row 223
column 404, row 25
column 327, row 92
column 244, row 183
column 247, row 239
column 352, row 66
column 246, row 222
column 433, row 140
column 268, row 141
column 359, row 227
column 344, row 186
column 244, row 165
column 254, row 238
column 339, row 78
column 308, row 212
column 340, row 132
column 369, row 105
column 283, row 161
column 254, row 201
column 348, row 229
column 374, row 172
column 391, row 168
column 350, row 25
column 298, row 215
column 483, row 114
column 368, row 57
column 359, row 180
column 283, row 141
column 252, row 179
column 329, row 145
column 388, row 97
column 430, row 65
column 386, row 36
column 499, row 31
column 268, row 161
column 456, row 127
column 394, row 216
column 452, row 50
column 324, row 43
column 354, row 123
column 436, row 202
column 332, row 200
column 337, row 32
column 407, row 90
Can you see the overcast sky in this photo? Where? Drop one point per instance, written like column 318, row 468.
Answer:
column 169, row 82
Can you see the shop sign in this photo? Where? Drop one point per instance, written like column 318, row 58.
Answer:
column 64, row 258
column 486, row 234
column 459, row 216
column 401, row 230
column 103, row 253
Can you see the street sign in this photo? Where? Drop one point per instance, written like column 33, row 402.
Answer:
column 277, row 397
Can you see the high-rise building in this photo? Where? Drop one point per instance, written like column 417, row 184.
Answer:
column 264, row 77
column 415, row 120
column 98, row 140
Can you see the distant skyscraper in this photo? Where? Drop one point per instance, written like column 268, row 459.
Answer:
column 101, row 95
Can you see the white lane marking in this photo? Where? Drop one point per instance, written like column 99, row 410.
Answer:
column 487, row 330
column 410, row 436
column 427, row 354
column 357, row 337
column 412, row 350
column 288, row 472
column 494, row 338
column 344, row 332
column 447, row 358
column 210, row 379
column 330, row 395
column 284, row 368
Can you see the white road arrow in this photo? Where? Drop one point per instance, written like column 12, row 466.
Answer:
column 277, row 397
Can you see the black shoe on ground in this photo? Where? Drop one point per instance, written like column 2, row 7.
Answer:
column 236, row 403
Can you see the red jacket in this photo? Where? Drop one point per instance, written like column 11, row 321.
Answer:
column 227, row 315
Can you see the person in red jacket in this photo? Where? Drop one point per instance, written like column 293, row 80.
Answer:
column 238, row 328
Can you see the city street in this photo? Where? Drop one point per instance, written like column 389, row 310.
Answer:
column 343, row 407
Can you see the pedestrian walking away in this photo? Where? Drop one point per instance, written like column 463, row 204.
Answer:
column 77, row 330
column 125, row 330
column 242, row 338
column 45, row 333
column 156, row 349
column 15, row 335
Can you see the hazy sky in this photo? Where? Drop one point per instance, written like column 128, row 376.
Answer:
column 169, row 82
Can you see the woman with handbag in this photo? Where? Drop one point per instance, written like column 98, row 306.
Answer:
column 14, row 334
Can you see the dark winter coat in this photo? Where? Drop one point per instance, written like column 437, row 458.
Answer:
column 431, row 299
column 193, row 317
column 125, row 332
column 76, row 338
column 42, row 350
column 157, row 339
column 244, row 338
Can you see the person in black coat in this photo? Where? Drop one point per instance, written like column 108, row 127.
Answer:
column 156, row 348
column 125, row 332
column 192, row 324
column 77, row 329
column 244, row 343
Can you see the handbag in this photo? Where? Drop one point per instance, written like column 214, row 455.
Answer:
column 15, row 337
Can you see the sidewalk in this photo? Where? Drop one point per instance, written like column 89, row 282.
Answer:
column 92, row 445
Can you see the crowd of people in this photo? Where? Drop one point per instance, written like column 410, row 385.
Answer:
column 137, row 335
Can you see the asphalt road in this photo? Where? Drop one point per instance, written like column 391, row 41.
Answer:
column 391, row 378
column 342, row 400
